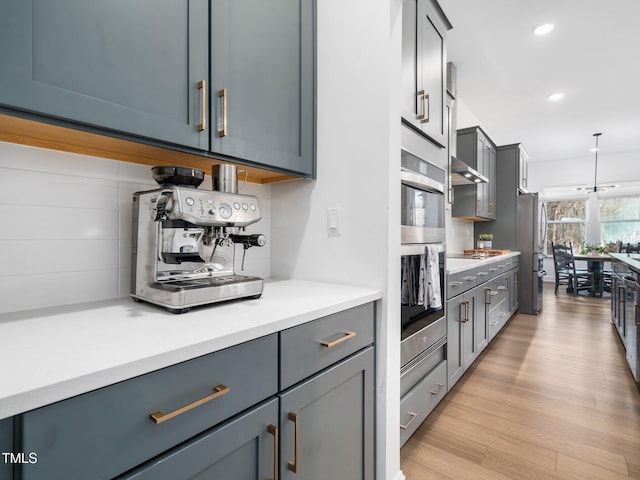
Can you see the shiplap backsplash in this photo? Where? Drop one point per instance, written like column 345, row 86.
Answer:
column 66, row 227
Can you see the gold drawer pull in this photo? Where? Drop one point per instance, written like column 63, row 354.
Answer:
column 273, row 430
column 293, row 466
column 347, row 336
column 223, row 94
column 160, row 417
column 411, row 419
column 439, row 387
column 202, row 85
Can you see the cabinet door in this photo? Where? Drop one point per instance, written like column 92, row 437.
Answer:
column 244, row 448
column 431, row 62
column 523, row 170
column 6, row 446
column 262, row 82
column 481, row 319
column 456, row 312
column 469, row 351
column 327, row 423
column 126, row 66
column 491, row 186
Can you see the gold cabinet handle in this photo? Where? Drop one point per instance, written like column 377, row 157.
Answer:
column 159, row 417
column 439, row 387
column 293, row 466
column 223, row 94
column 347, row 336
column 636, row 315
column 406, row 425
column 273, row 430
column 420, row 95
column 465, row 317
column 425, row 119
column 202, row 85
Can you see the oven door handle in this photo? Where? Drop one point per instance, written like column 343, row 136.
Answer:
column 421, row 182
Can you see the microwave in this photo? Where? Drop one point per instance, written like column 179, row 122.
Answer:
column 423, row 201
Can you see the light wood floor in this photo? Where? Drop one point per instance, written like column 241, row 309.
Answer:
column 550, row 398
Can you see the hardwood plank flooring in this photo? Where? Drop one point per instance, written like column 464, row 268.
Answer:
column 551, row 397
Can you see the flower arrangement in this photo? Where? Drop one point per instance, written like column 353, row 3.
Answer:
column 590, row 247
column 485, row 236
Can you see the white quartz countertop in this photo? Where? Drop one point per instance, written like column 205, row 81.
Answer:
column 51, row 354
column 460, row 263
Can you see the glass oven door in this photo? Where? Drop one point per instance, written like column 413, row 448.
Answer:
column 422, row 323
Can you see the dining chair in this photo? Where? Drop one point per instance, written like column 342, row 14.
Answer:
column 566, row 272
column 629, row 248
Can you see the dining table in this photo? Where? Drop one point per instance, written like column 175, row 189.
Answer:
column 595, row 265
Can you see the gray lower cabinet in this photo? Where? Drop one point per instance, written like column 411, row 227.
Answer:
column 461, row 326
column 477, row 314
column 131, row 67
column 244, row 448
column 327, row 423
column 6, row 446
column 106, row 432
column 222, row 415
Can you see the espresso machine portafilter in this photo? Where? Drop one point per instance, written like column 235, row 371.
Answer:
column 184, row 239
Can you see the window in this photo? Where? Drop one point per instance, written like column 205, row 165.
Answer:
column 566, row 223
column 619, row 221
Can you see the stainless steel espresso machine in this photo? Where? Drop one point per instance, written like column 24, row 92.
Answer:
column 184, row 239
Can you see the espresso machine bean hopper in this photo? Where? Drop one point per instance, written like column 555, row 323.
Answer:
column 184, row 239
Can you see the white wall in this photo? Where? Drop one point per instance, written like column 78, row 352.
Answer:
column 66, row 235
column 612, row 169
column 358, row 158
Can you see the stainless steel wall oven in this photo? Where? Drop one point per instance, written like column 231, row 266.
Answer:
column 422, row 306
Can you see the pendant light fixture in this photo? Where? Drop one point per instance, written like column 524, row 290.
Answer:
column 595, row 187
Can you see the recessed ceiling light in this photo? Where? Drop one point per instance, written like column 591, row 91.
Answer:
column 555, row 97
column 594, row 149
column 543, row 29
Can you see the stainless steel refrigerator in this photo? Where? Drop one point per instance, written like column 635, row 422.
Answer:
column 532, row 226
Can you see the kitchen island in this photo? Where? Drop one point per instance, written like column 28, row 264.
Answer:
column 625, row 298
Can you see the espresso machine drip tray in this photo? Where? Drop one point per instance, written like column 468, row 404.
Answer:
column 204, row 282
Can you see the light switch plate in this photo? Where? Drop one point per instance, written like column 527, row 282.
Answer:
column 334, row 221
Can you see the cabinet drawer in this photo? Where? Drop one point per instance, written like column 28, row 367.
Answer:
column 103, row 433
column 313, row 346
column 460, row 282
column 240, row 448
column 416, row 405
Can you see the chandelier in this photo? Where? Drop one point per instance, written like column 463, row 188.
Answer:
column 596, row 188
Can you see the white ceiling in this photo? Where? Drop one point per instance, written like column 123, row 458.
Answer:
column 505, row 73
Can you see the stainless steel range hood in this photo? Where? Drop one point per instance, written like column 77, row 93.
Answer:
column 463, row 174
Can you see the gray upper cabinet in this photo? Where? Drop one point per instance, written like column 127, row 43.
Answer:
column 424, row 59
column 508, row 178
column 131, row 67
column 230, row 79
column 262, row 82
column 477, row 201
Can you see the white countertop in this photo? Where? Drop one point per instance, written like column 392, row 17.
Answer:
column 460, row 263
column 51, row 354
